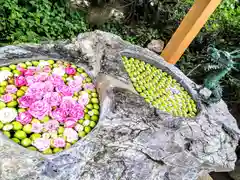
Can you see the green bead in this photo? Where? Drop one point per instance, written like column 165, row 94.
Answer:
column 87, row 129
column 13, row 66
column 96, row 106
column 35, row 63
column 45, row 119
column 27, row 128
column 32, row 148
column 23, row 65
column 1, row 125
column 60, row 130
column 56, row 150
column 89, row 106
column 2, row 90
column 81, row 134
column 86, row 117
column 5, row 69
column 28, row 63
column 95, row 111
column 16, row 140
column 7, row 133
column 51, row 61
column 92, row 124
column 94, row 100
column 16, row 72
column 81, row 121
column 35, row 136
column 20, row 93
column 2, row 105
column 20, row 134
column 48, row 151
column 88, row 80
column 26, row 142
column 94, row 118
column 12, row 104
column 17, row 125
column 4, row 83
column 7, row 127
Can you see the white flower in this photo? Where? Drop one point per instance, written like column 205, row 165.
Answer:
column 43, row 63
column 7, row 127
column 86, row 122
column 60, row 71
column 91, row 113
column 4, row 75
column 79, row 127
column 70, row 134
column 7, row 115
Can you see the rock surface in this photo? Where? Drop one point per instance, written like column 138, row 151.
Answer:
column 132, row 141
column 156, row 46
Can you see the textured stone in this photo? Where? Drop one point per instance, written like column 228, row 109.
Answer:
column 132, row 140
column 156, row 46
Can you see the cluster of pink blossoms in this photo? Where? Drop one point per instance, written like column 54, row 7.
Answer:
column 49, row 96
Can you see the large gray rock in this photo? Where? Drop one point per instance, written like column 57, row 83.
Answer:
column 132, row 141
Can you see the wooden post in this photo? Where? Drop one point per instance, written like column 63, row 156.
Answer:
column 188, row 29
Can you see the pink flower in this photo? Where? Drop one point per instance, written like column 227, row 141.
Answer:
column 29, row 72
column 65, row 90
column 77, row 111
column 25, row 101
column 37, row 127
column 67, row 104
column 75, row 85
column 39, row 109
column 69, row 124
column 24, row 118
column 79, row 77
column 84, row 99
column 36, row 90
column 48, row 86
column 53, row 98
column 31, row 80
column 47, row 69
column 7, row 98
column 51, row 125
column 59, row 115
column 70, row 70
column 89, row 86
column 41, row 144
column 70, row 134
column 42, row 76
column 11, row 89
column 56, row 80
column 20, row 81
column 59, row 142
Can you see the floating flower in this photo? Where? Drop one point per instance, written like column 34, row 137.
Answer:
column 42, row 76
column 84, row 99
column 29, row 72
column 37, row 127
column 70, row 123
column 86, row 123
column 6, row 98
column 24, row 118
column 70, row 134
column 58, row 114
column 20, row 81
column 65, row 90
column 41, row 144
column 67, row 104
column 51, row 125
column 4, row 75
column 48, row 86
column 53, row 98
column 47, row 69
column 77, row 111
column 39, row 109
column 37, row 90
column 60, row 71
column 56, row 80
column 70, row 70
column 31, row 80
column 25, row 101
column 75, row 85
column 11, row 89
column 7, row 115
column 59, row 142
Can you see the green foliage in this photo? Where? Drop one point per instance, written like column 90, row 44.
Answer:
column 32, row 21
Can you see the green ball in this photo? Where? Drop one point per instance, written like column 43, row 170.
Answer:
column 92, row 124
column 81, row 134
column 94, row 118
column 7, row 133
column 95, row 111
column 16, row 140
column 4, row 83
column 27, row 128
column 20, row 93
column 96, row 106
column 56, row 150
column 87, row 129
column 13, row 66
column 12, row 104
column 7, row 127
column 32, row 148
column 2, row 105
column 60, row 130
column 1, row 125
column 17, row 125
column 35, row 136
column 47, row 151
column 20, row 134
column 94, row 100
column 67, row 146
column 26, row 142
column 86, row 117
column 89, row 106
